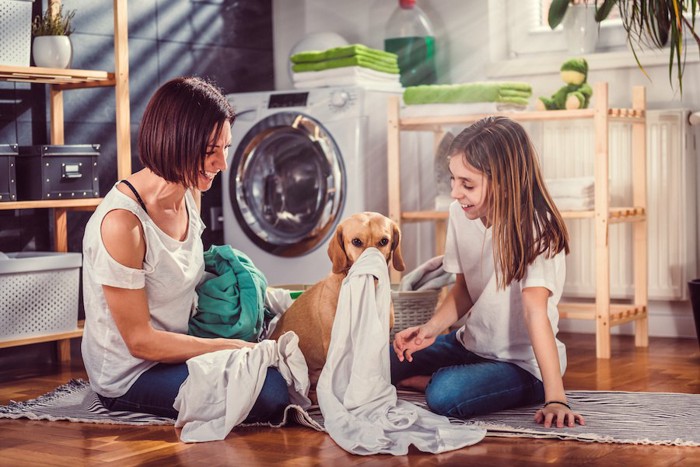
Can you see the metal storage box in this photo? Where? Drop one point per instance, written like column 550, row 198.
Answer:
column 39, row 293
column 15, row 32
column 57, row 172
column 8, row 186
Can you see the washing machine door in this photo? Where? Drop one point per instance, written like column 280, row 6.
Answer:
column 287, row 184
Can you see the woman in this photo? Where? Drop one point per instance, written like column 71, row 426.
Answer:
column 143, row 258
column 506, row 243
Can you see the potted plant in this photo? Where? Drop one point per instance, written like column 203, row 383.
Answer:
column 52, row 47
column 648, row 23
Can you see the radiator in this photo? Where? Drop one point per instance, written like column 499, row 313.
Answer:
column 566, row 150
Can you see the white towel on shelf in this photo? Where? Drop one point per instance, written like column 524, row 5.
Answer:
column 358, row 71
column 223, row 386
column 348, row 76
column 571, row 187
column 360, row 407
column 574, row 204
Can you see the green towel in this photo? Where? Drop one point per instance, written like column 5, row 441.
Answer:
column 501, row 92
column 355, row 50
column 231, row 302
column 357, row 60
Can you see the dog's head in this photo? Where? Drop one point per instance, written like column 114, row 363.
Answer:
column 361, row 231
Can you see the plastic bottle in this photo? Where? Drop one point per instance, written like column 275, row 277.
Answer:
column 409, row 34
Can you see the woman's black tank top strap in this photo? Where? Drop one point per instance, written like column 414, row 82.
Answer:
column 136, row 193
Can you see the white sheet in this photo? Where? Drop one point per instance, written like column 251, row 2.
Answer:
column 223, row 386
column 360, row 408
column 571, row 187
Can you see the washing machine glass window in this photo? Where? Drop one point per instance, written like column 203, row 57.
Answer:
column 287, row 184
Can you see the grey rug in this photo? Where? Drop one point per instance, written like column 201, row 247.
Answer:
column 611, row 416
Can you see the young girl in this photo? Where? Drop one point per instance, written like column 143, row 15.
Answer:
column 506, row 243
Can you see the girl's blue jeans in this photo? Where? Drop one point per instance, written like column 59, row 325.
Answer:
column 155, row 390
column 464, row 384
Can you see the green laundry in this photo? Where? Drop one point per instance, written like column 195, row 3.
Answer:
column 355, row 50
column 357, row 60
column 232, row 302
column 501, row 92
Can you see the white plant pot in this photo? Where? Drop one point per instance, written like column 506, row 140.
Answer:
column 580, row 29
column 52, row 51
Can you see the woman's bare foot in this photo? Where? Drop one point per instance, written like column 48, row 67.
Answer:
column 414, row 383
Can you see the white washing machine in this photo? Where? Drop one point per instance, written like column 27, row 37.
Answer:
column 300, row 162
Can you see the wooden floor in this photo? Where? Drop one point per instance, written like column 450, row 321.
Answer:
column 668, row 365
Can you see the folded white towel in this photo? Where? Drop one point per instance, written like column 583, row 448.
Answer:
column 572, row 187
column 566, row 203
column 358, row 71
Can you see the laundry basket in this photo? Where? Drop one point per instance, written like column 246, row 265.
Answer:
column 412, row 308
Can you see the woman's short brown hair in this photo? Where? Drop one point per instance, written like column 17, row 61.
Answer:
column 177, row 126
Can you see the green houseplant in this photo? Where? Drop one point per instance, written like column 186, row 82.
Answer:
column 52, row 47
column 648, row 23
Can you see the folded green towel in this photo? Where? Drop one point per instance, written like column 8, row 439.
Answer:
column 357, row 60
column 232, row 301
column 355, row 50
column 502, row 92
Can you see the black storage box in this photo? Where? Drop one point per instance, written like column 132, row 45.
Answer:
column 8, row 187
column 57, row 172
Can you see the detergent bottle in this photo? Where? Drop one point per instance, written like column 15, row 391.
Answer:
column 409, row 34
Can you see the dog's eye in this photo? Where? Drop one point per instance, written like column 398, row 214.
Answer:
column 384, row 242
column 357, row 242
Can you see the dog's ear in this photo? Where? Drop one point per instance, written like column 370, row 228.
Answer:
column 397, row 257
column 336, row 251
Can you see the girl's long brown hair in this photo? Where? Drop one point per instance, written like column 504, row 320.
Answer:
column 525, row 221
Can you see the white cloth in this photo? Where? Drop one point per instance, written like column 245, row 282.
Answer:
column 495, row 326
column 277, row 300
column 428, row 276
column 360, row 407
column 348, row 76
column 223, row 386
column 574, row 204
column 571, row 187
column 109, row 364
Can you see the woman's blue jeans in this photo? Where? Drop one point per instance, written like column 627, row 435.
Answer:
column 154, row 392
column 464, row 384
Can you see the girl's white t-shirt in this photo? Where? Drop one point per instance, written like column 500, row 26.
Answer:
column 171, row 271
column 495, row 326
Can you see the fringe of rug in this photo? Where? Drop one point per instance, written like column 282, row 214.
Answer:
column 71, row 387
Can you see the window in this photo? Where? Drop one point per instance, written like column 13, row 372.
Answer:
column 527, row 31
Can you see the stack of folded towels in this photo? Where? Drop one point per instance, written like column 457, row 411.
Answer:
column 513, row 93
column 572, row 194
column 349, row 65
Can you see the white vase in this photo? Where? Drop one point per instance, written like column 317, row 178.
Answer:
column 52, row 51
column 581, row 29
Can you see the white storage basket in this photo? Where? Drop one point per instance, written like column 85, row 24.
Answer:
column 39, row 293
column 412, row 308
column 15, row 32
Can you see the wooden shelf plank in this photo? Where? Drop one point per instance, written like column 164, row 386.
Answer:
column 419, row 216
column 83, row 203
column 57, row 336
column 33, row 74
column 618, row 214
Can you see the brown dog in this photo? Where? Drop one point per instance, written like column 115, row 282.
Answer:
column 311, row 315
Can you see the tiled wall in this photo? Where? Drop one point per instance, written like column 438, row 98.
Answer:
column 228, row 41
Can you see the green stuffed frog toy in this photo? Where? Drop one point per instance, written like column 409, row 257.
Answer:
column 576, row 94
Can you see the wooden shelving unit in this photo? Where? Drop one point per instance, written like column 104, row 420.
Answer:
column 605, row 313
column 60, row 80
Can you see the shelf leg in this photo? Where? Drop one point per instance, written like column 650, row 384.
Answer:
column 61, row 230
column 63, row 351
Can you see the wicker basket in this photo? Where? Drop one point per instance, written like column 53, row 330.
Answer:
column 412, row 308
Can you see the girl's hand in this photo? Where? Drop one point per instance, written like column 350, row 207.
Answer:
column 560, row 414
column 413, row 339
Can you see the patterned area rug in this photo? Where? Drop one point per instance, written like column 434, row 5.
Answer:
column 611, row 416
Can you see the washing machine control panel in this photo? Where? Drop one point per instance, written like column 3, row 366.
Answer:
column 291, row 99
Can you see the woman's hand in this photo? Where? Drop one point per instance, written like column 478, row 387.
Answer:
column 413, row 339
column 559, row 414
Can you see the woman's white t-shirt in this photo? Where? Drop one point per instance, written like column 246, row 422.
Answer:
column 171, row 271
column 495, row 326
